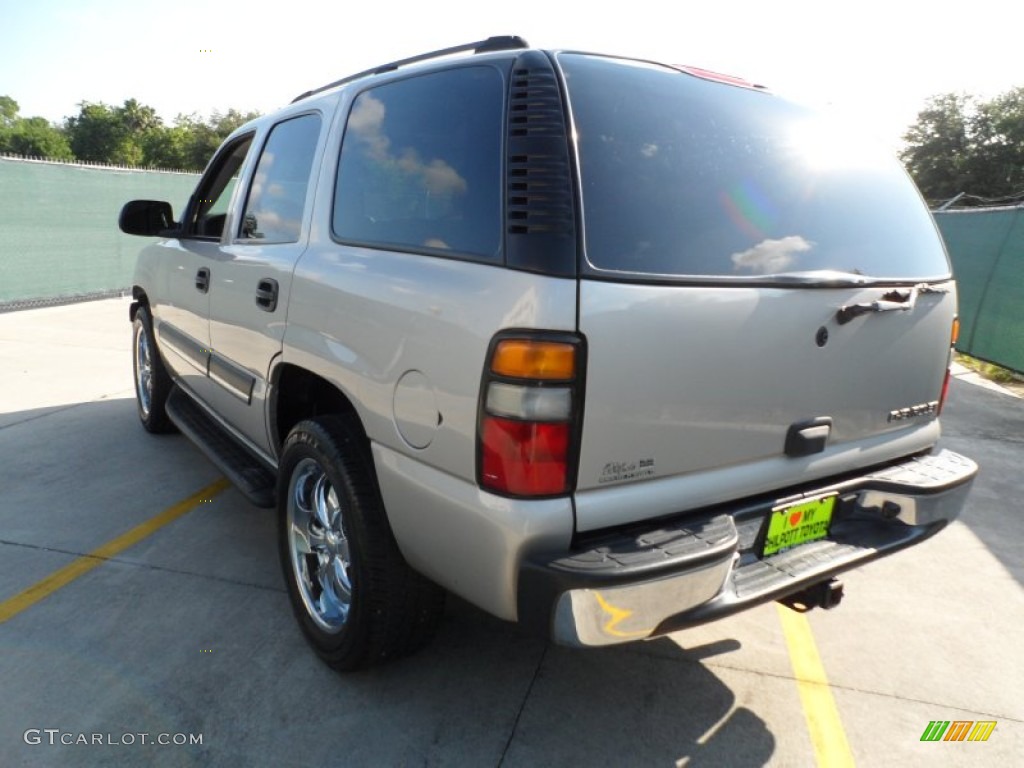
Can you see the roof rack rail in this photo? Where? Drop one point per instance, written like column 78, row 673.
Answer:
column 497, row 43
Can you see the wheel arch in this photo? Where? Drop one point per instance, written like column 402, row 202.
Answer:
column 139, row 299
column 297, row 394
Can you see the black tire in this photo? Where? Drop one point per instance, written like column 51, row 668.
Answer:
column 152, row 382
column 333, row 528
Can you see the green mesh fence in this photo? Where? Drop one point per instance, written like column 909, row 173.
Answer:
column 58, row 226
column 59, row 238
column 987, row 250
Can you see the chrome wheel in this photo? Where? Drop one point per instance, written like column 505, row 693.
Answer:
column 319, row 547
column 143, row 370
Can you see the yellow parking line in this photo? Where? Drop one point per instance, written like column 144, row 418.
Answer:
column 826, row 729
column 42, row 589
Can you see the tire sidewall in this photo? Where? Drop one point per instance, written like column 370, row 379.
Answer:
column 143, row 324
column 309, row 440
column 156, row 421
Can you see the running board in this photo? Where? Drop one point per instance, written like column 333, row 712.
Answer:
column 242, row 468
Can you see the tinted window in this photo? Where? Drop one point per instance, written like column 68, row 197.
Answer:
column 277, row 195
column 420, row 165
column 210, row 202
column 682, row 176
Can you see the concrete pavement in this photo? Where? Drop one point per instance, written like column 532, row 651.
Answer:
column 189, row 631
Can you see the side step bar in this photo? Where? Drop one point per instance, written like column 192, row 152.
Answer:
column 256, row 482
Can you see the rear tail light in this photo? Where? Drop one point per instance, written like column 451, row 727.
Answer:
column 954, row 335
column 528, row 432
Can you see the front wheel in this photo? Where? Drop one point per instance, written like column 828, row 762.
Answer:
column 152, row 382
column 357, row 600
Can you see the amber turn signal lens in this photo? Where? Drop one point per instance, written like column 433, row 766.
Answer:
column 955, row 335
column 527, row 359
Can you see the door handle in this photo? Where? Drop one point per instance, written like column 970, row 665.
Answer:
column 203, row 280
column 266, row 294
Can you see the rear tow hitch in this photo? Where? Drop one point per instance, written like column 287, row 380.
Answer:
column 824, row 594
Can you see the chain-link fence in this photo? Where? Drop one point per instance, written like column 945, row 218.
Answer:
column 987, row 250
column 58, row 227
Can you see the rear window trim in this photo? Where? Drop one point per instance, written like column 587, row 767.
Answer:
column 589, row 272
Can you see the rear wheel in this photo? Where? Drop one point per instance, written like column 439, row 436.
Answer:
column 152, row 382
column 357, row 600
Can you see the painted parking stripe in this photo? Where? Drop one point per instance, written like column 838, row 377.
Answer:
column 823, row 724
column 64, row 576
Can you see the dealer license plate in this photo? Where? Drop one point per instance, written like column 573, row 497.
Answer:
column 798, row 523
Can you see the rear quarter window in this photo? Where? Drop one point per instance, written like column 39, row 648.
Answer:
column 420, row 165
column 681, row 176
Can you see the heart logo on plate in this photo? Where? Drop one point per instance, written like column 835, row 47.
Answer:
column 794, row 519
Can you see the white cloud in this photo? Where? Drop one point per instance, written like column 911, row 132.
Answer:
column 771, row 256
column 367, row 124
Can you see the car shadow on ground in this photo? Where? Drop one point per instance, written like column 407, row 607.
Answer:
column 118, row 649
column 989, row 427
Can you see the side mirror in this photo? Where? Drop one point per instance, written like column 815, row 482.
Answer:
column 150, row 218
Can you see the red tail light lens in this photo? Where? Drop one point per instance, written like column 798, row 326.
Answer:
column 529, row 414
column 953, row 336
column 945, row 391
column 525, row 458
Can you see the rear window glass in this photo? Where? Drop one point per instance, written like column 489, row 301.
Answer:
column 686, row 177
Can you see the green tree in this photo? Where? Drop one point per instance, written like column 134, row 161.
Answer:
column 37, row 137
column 224, row 124
column 101, row 133
column 131, row 134
column 206, row 136
column 8, row 111
column 94, row 133
column 135, row 122
column 998, row 157
column 202, row 141
column 960, row 144
column 32, row 136
column 166, row 147
column 8, row 117
column 938, row 146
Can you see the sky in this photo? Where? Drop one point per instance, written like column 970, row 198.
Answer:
column 874, row 61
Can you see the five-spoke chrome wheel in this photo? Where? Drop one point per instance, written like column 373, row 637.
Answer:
column 321, row 558
column 143, row 370
column 152, row 382
column 357, row 600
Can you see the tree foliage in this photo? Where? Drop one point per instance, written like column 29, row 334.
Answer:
column 8, row 111
column 961, row 144
column 32, row 136
column 130, row 134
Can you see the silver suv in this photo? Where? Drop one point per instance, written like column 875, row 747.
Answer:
column 604, row 346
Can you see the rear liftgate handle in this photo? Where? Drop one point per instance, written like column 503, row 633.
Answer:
column 893, row 301
column 805, row 438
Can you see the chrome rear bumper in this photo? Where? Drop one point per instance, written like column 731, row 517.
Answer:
column 648, row 581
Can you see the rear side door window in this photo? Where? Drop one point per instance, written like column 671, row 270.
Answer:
column 420, row 166
column 277, row 194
